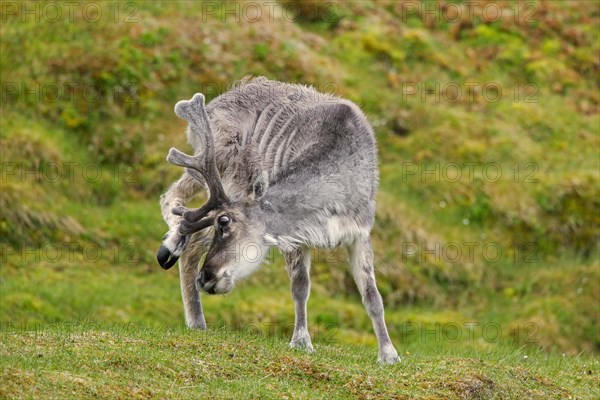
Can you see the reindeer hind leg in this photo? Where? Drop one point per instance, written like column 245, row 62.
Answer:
column 361, row 262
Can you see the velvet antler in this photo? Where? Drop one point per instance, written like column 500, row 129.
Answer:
column 203, row 166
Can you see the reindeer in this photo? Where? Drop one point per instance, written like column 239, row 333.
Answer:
column 284, row 166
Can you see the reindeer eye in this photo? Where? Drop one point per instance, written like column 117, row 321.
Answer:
column 224, row 220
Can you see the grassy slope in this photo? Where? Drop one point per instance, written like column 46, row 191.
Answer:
column 90, row 360
column 547, row 301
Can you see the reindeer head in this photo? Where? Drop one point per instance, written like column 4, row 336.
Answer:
column 237, row 247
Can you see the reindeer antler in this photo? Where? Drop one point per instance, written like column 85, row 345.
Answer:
column 203, row 167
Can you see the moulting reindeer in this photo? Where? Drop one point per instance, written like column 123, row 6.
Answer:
column 285, row 166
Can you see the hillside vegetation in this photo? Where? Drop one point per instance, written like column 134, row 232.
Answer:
column 488, row 220
column 91, row 360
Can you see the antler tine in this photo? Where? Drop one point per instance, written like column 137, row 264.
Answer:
column 194, row 113
column 187, row 228
column 203, row 166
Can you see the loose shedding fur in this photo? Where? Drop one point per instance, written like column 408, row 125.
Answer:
column 299, row 170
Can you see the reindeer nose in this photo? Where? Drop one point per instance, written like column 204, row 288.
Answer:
column 205, row 276
column 206, row 281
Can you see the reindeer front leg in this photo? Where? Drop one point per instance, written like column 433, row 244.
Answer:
column 174, row 246
column 188, row 272
column 298, row 267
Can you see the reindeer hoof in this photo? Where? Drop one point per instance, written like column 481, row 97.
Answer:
column 388, row 356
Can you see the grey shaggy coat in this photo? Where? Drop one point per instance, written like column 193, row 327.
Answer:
column 300, row 171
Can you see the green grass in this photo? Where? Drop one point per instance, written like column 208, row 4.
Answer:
column 87, row 359
column 541, row 295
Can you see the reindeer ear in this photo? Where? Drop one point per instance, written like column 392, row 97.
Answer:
column 260, row 185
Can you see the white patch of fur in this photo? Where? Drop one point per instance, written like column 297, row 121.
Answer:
column 270, row 240
column 330, row 231
column 288, row 243
column 336, row 230
column 249, row 256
